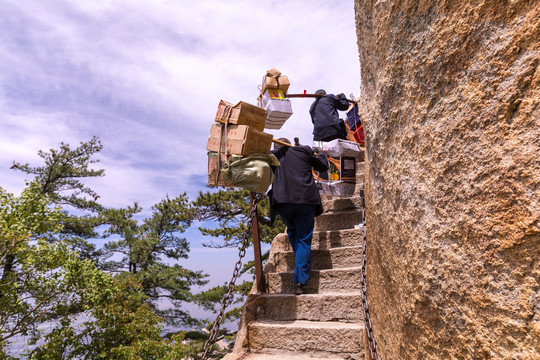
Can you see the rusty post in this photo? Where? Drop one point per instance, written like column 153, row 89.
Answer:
column 259, row 276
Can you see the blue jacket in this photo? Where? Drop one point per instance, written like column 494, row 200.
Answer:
column 325, row 118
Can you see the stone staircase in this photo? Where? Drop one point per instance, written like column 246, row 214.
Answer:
column 325, row 323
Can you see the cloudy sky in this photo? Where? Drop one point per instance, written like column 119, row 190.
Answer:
column 147, row 76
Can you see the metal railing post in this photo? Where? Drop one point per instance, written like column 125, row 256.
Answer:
column 259, row 276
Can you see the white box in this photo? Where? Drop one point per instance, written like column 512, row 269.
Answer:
column 280, row 106
column 278, row 112
column 336, row 188
column 342, row 189
column 277, row 107
column 341, row 148
column 324, row 188
column 275, row 121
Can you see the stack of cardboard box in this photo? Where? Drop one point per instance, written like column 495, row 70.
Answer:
column 272, row 99
column 237, row 132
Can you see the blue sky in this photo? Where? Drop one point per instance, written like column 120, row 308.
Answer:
column 147, row 77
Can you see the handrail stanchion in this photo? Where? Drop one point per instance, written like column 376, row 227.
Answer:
column 261, row 286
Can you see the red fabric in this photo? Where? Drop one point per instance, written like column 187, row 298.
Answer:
column 359, row 135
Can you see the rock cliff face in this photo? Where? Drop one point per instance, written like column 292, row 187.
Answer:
column 450, row 94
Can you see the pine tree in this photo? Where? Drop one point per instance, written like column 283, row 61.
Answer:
column 41, row 280
column 60, row 179
column 149, row 250
column 230, row 209
column 122, row 326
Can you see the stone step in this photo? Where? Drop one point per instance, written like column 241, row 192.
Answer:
column 345, row 307
column 282, row 355
column 321, row 259
column 342, row 280
column 338, row 220
column 341, row 339
column 341, row 204
column 336, row 238
column 323, row 240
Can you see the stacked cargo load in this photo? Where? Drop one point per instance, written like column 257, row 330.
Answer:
column 340, row 179
column 279, row 109
column 274, row 80
column 272, row 99
column 238, row 140
column 215, row 165
column 241, row 114
column 237, row 133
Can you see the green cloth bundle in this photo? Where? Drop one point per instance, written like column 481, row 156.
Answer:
column 252, row 172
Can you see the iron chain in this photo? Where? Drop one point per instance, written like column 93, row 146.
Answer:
column 236, row 272
column 363, row 283
column 227, row 298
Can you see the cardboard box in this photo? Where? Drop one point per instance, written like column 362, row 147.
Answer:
column 340, row 169
column 215, row 177
column 281, row 82
column 240, row 139
column 241, row 114
column 274, row 80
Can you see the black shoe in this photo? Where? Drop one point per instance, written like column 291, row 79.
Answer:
column 300, row 289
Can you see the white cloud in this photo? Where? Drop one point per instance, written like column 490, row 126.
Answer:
column 147, row 76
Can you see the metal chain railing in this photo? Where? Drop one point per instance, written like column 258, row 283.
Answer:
column 236, row 272
column 363, row 283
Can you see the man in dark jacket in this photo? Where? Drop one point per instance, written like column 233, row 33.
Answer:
column 324, row 115
column 296, row 199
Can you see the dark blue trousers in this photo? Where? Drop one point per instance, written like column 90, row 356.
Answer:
column 300, row 220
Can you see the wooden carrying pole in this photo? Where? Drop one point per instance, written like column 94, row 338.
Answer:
column 311, row 96
column 259, row 276
column 281, row 143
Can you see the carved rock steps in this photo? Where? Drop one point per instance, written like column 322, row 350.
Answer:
column 345, row 307
column 321, row 259
column 307, row 336
column 327, row 322
column 283, row 355
column 337, row 220
column 320, row 281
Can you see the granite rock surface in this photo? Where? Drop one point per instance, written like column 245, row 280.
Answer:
column 450, row 94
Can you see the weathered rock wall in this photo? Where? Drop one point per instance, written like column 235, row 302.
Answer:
column 450, row 104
